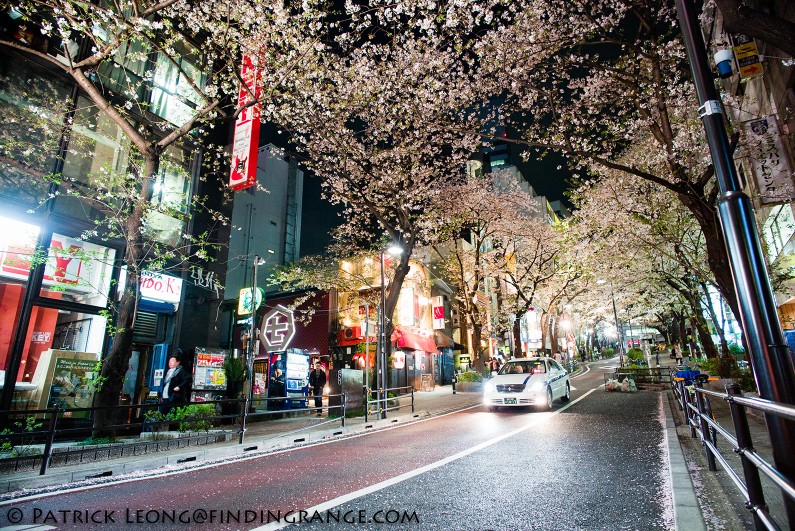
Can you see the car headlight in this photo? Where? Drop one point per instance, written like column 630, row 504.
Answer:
column 490, row 387
column 536, row 387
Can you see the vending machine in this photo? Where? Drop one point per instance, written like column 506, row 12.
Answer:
column 288, row 378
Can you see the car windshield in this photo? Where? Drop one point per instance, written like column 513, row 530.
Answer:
column 523, row 367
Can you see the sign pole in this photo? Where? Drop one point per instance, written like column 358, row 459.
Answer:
column 770, row 356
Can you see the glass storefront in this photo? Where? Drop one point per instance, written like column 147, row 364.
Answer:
column 75, row 271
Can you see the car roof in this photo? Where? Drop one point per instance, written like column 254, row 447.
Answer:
column 535, row 358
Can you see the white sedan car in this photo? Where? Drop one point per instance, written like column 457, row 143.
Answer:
column 527, row 381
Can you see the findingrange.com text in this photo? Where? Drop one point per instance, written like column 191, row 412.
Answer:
column 148, row 517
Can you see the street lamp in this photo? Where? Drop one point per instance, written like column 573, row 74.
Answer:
column 395, row 250
column 618, row 327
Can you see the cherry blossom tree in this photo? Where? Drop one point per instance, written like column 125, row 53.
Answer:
column 160, row 72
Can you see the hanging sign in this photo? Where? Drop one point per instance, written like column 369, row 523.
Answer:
column 438, row 313
column 245, row 144
column 747, row 56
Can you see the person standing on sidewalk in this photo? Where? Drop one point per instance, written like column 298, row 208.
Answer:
column 176, row 386
column 317, row 381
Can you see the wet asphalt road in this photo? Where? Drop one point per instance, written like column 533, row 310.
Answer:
column 599, row 463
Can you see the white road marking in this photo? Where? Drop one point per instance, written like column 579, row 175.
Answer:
column 538, row 419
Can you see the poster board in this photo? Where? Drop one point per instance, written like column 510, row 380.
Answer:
column 209, row 372
column 74, row 371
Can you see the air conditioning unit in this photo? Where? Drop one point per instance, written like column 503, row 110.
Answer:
column 353, row 332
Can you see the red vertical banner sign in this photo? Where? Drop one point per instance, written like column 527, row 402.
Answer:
column 246, row 141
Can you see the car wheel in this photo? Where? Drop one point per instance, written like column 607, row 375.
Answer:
column 567, row 395
column 550, row 398
column 494, row 409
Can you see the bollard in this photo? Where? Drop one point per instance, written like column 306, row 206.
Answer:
column 412, row 400
column 756, row 497
column 454, row 381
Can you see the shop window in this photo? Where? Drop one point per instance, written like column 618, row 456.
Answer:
column 98, row 157
column 32, row 110
column 59, row 358
column 170, row 198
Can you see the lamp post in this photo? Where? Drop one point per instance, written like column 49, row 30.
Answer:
column 393, row 249
column 618, row 326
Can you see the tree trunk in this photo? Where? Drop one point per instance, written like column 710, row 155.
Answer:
column 517, row 338
column 115, row 364
column 717, row 255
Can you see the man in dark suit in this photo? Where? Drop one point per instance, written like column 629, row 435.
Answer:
column 317, row 380
column 176, row 386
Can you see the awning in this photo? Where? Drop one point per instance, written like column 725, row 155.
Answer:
column 442, row 340
column 412, row 338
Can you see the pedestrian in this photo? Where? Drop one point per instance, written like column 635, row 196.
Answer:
column 317, row 381
column 677, row 352
column 176, row 386
column 494, row 366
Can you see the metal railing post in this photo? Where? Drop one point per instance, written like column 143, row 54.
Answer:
column 243, row 415
column 756, row 496
column 700, row 398
column 47, row 455
column 343, row 409
column 412, row 400
column 367, row 404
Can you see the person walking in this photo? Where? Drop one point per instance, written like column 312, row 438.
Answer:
column 317, row 381
column 176, row 386
column 677, row 352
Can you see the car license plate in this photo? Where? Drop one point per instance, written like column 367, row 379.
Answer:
column 509, row 400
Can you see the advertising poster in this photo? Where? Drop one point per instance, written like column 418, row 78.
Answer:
column 71, row 386
column 209, row 369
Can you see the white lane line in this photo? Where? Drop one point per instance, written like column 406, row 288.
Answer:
column 587, row 370
column 413, row 473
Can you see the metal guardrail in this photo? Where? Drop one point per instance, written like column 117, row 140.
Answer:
column 642, row 375
column 44, row 426
column 694, row 402
column 382, row 401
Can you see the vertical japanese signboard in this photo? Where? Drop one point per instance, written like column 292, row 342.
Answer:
column 246, row 140
column 438, row 313
column 771, row 165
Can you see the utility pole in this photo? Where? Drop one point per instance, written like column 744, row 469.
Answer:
column 770, row 357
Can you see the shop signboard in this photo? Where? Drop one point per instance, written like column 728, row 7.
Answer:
column 72, row 265
column 245, row 144
column 156, row 286
column 278, row 328
column 771, row 166
column 438, row 313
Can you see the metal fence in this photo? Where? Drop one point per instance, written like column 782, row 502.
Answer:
column 694, row 401
column 384, row 403
column 43, row 427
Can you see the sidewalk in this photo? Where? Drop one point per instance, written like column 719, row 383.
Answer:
column 260, row 437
